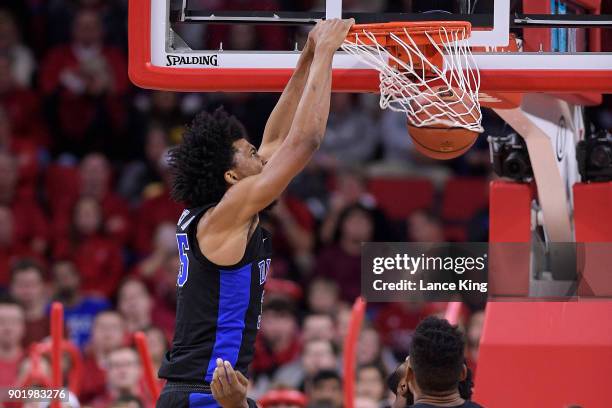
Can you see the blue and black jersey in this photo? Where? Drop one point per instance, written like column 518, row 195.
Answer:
column 218, row 307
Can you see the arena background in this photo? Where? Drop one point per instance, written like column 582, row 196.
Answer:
column 86, row 218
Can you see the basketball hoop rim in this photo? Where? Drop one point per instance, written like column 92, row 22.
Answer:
column 412, row 28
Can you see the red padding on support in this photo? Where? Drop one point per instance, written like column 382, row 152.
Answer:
column 545, row 355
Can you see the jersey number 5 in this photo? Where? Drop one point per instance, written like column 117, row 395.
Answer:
column 183, row 246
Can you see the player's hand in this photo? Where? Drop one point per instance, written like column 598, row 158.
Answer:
column 229, row 387
column 331, row 33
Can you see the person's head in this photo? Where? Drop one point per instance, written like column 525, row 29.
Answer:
column 164, row 240
column 371, row 382
column 123, row 369
column 318, row 355
column 351, row 184
column 436, row 362
column 156, row 144
column 398, row 385
column 323, row 296
column 134, row 302
column 355, row 225
column 87, row 217
column 157, row 342
column 369, row 346
column 318, row 326
column 213, row 156
column 27, row 283
column 282, row 397
column 9, row 175
column 12, row 323
column 326, row 388
column 424, row 226
column 66, row 280
column 6, row 226
column 87, row 29
column 278, row 322
column 95, row 175
column 107, row 332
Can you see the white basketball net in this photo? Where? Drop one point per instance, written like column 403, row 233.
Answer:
column 434, row 97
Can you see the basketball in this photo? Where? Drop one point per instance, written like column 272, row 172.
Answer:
column 438, row 138
column 442, row 143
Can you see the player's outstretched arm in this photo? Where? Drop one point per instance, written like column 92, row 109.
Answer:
column 279, row 122
column 251, row 195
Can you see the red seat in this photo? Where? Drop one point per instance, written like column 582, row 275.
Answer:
column 463, row 198
column 399, row 197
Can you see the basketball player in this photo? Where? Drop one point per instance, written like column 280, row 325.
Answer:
column 435, row 374
column 225, row 182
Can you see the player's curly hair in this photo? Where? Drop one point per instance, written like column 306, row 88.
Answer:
column 199, row 163
column 437, row 355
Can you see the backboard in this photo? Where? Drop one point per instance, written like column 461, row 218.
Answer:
column 190, row 45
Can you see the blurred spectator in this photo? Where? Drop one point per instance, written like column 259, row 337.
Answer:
column 278, row 342
column 22, row 59
column 95, row 175
column 371, row 351
column 371, row 383
column 396, row 322
column 107, row 334
column 424, row 226
column 318, row 327
column 292, row 227
column 124, row 374
column 158, row 345
column 325, row 390
column 159, row 272
column 26, row 152
column 135, row 305
column 28, row 287
column 86, row 81
column 97, row 257
column 12, row 331
column 163, row 110
column 141, row 173
column 112, row 13
column 316, row 355
column 156, row 208
column 22, row 106
column 351, row 138
column 342, row 260
column 10, row 250
column 79, row 311
column 323, row 296
column 351, row 189
column 365, row 402
column 29, row 223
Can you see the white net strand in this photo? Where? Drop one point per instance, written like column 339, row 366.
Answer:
column 418, row 87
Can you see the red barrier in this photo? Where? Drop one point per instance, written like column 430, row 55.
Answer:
column 57, row 336
column 350, row 350
column 453, row 310
column 145, row 357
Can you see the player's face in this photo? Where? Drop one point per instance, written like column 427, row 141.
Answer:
column 246, row 159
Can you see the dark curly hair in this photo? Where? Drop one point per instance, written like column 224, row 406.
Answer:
column 436, row 355
column 199, row 163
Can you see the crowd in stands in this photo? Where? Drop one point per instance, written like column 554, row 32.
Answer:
column 86, row 218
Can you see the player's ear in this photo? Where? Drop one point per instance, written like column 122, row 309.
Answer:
column 231, row 177
column 409, row 375
column 463, row 374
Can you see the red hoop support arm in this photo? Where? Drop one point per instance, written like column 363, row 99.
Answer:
column 149, row 374
column 350, row 350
